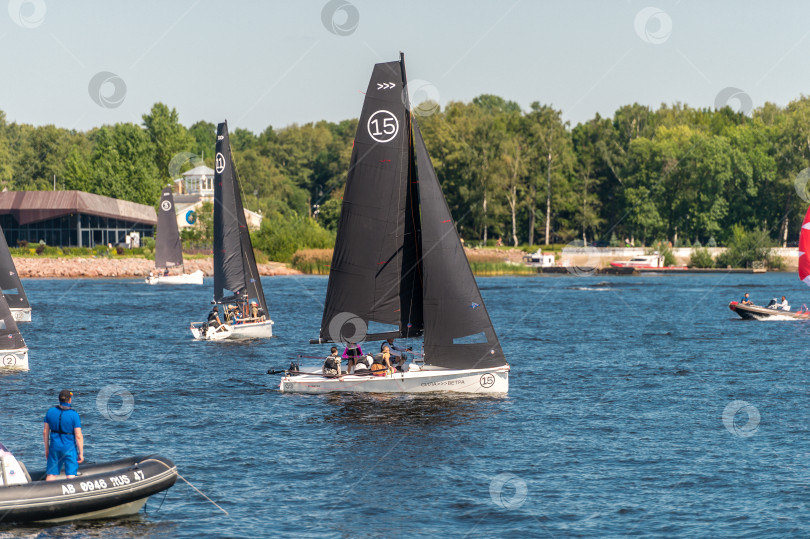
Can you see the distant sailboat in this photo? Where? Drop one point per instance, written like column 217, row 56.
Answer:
column 398, row 264
column 169, row 248
column 11, row 284
column 237, row 285
column 13, row 350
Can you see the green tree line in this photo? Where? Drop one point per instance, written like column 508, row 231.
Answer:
column 677, row 173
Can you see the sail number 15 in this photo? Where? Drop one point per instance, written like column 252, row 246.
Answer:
column 383, row 126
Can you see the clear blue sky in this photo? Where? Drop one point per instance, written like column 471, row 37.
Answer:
column 260, row 63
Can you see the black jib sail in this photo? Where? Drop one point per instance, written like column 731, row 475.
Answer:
column 398, row 259
column 10, row 338
column 374, row 273
column 458, row 330
column 10, row 279
column 234, row 264
column 168, row 248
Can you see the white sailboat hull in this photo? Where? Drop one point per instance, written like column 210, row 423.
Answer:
column 21, row 314
column 427, row 380
column 14, row 359
column 186, row 278
column 251, row 330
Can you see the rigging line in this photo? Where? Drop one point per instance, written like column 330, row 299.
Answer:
column 189, row 484
column 203, row 495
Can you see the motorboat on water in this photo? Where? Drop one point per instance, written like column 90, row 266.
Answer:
column 103, row 490
column 773, row 311
column 13, row 350
column 11, row 285
column 756, row 312
column 237, row 284
column 169, row 248
column 653, row 261
column 399, row 269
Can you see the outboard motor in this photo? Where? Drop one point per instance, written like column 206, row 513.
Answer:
column 12, row 471
column 772, row 304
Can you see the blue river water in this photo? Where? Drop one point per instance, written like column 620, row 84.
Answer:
column 638, row 406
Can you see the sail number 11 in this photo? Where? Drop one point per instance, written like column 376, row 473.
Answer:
column 383, row 126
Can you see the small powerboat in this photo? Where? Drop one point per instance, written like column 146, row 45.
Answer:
column 102, row 490
column 756, row 312
column 653, row 261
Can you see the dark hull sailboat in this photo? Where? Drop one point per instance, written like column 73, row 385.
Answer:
column 237, row 284
column 11, row 285
column 169, row 248
column 399, row 269
column 102, row 490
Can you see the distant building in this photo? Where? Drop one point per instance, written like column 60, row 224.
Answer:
column 197, row 181
column 72, row 218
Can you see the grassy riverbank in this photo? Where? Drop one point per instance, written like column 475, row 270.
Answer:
column 484, row 262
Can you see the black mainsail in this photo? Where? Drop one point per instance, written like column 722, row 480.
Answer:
column 398, row 259
column 374, row 271
column 9, row 278
column 234, row 264
column 10, row 337
column 168, row 248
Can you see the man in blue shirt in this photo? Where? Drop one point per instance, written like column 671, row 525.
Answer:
column 745, row 300
column 64, row 443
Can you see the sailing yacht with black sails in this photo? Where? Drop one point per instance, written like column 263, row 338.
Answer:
column 12, row 286
column 13, row 350
column 169, row 248
column 399, row 269
column 237, row 286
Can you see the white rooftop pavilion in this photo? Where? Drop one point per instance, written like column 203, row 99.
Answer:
column 197, row 181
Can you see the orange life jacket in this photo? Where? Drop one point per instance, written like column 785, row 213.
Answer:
column 378, row 369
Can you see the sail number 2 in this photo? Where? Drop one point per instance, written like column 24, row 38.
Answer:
column 383, row 126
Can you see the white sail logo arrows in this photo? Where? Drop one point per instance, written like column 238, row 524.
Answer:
column 386, row 85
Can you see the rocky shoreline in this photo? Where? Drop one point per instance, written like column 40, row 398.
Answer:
column 72, row 268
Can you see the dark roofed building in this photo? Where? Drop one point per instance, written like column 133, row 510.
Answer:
column 72, row 218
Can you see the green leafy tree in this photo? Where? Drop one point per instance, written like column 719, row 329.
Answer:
column 205, row 139
column 744, row 247
column 701, row 258
column 168, row 136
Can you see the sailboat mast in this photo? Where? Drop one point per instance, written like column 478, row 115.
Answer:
column 411, row 290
